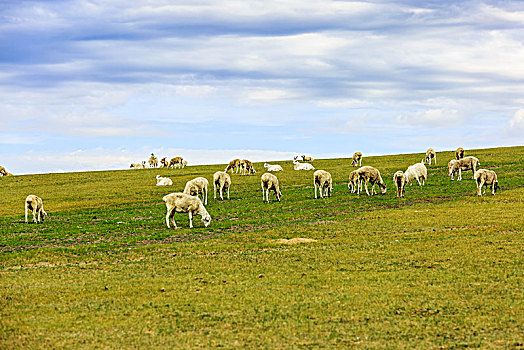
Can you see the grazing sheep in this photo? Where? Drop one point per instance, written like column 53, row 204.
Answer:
column 221, row 180
column 3, row 172
column 306, row 159
column 450, row 166
column 184, row 163
column 176, row 162
column 184, row 203
column 354, row 182
column 431, row 154
column 302, row 166
column 357, row 159
column 233, row 165
column 466, row 163
column 416, row 171
column 368, row 174
column 399, row 179
column 164, row 163
column 269, row 182
column 197, row 186
column 323, row 180
column 35, row 204
column 486, row 178
column 247, row 167
column 459, row 153
column 270, row 167
column 153, row 161
column 163, row 181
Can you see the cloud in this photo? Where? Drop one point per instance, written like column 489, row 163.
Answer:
column 517, row 122
column 433, row 118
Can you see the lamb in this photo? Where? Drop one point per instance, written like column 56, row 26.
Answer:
column 177, row 162
column 247, row 167
column 306, row 159
column 221, row 180
column 399, row 179
column 486, row 178
column 323, row 180
column 416, row 171
column 431, row 154
column 368, row 174
column 163, row 181
column 302, row 166
column 450, row 166
column 197, row 186
column 153, row 161
column 459, row 153
column 270, row 167
column 185, row 203
column 164, row 163
column 466, row 163
column 233, row 165
column 36, row 205
column 357, row 159
column 269, row 182
column 354, row 182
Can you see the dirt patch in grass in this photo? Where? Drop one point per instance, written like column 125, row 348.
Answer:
column 295, row 240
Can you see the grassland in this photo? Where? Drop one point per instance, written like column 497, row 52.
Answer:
column 441, row 268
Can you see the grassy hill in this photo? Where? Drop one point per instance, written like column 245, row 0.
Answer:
column 438, row 268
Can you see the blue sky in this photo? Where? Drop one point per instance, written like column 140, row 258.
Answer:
column 88, row 85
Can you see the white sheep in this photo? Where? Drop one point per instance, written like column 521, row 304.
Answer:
column 269, row 182
column 399, row 179
column 354, row 183
column 272, row 167
column 36, row 205
column 357, row 159
column 153, row 161
column 459, row 153
column 197, row 186
column 416, row 171
column 323, row 180
column 430, row 154
column 466, row 163
column 368, row 174
column 163, row 181
column 302, row 166
column 138, row 165
column 450, row 167
column 184, row 203
column 486, row 178
column 221, row 180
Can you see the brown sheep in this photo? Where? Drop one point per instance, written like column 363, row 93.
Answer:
column 399, row 179
column 357, row 159
column 459, row 153
column 36, row 205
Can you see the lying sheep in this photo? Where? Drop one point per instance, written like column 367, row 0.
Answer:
column 184, row 203
column 357, row 159
column 153, row 161
column 35, row 204
column 466, row 163
column 138, row 165
column 306, row 159
column 246, row 167
column 368, row 174
column 269, row 182
column 164, row 163
column 399, row 179
column 197, row 186
column 430, row 154
column 270, row 167
column 486, row 178
column 459, row 153
column 416, row 171
column 233, row 165
column 221, row 180
column 302, row 166
column 354, row 182
column 323, row 180
column 163, row 181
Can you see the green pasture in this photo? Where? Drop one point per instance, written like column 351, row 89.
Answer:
column 440, row 268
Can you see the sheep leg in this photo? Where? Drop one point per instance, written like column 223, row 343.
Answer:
column 479, row 188
column 459, row 178
column 34, row 215
column 263, row 194
column 215, row 191
column 204, row 191
column 366, row 186
column 190, row 219
column 168, row 216
column 315, row 184
column 26, row 213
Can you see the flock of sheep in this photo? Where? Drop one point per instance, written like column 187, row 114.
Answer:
column 176, row 162
column 189, row 202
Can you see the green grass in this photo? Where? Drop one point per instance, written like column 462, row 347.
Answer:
column 440, row 268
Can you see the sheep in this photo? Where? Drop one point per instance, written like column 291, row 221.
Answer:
column 357, row 159
column 36, row 205
column 399, row 179
column 163, row 181
column 233, row 165
column 3, row 172
column 247, row 167
column 269, row 182
column 185, row 203
column 486, row 178
column 323, row 180
column 138, row 165
column 184, row 163
column 221, row 180
column 307, row 159
column 270, row 167
column 302, row 166
column 450, row 166
column 459, row 153
column 153, row 161
column 430, row 154
column 368, row 174
column 197, row 186
column 176, row 162
column 466, row 163
column 416, row 171
column 164, row 163
column 354, row 182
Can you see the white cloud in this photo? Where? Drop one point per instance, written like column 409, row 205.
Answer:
column 433, row 118
column 517, row 122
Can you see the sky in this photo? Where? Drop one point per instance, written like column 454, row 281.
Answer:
column 94, row 85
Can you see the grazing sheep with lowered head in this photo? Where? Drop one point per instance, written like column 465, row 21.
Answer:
column 486, row 178
column 450, row 166
column 272, row 167
column 357, row 159
column 368, row 174
column 399, row 179
column 323, row 180
column 416, row 171
column 176, row 162
column 353, row 183
column 269, row 182
column 430, row 154
column 233, row 165
column 163, row 181
column 222, row 181
column 197, row 186
column 246, row 167
column 184, row 203
column 459, row 153
column 153, row 161
column 466, row 163
column 35, row 204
